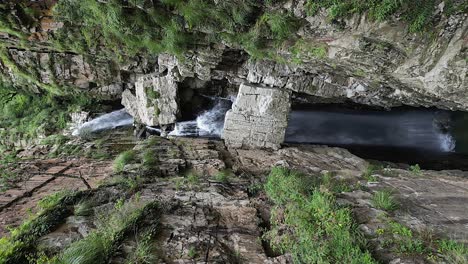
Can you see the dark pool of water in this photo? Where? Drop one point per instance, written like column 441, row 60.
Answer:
column 435, row 139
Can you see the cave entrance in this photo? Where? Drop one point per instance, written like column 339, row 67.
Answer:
column 203, row 107
column 433, row 138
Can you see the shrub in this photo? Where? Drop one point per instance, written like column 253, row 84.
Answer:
column 415, row 169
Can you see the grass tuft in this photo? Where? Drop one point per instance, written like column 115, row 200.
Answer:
column 98, row 246
column 384, row 200
column 452, row 251
column 123, row 159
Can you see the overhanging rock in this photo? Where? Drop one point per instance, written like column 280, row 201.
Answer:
column 258, row 118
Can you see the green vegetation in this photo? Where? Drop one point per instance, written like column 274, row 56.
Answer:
column 453, row 252
column 152, row 94
column 143, row 252
column 224, row 176
column 333, row 184
column 190, row 180
column 304, row 49
column 262, row 28
column 84, row 208
column 193, row 178
column 28, row 115
column 254, row 188
column 384, row 200
column 98, row 246
column 54, row 209
column 314, row 229
column 368, row 175
column 7, row 165
column 415, row 169
column 403, row 239
column 418, row 14
column 123, row 159
column 192, row 253
column 149, row 158
column 146, row 26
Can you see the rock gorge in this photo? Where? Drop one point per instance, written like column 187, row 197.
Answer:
column 345, row 59
column 106, row 196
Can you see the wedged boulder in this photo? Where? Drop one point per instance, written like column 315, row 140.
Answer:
column 155, row 100
column 258, row 118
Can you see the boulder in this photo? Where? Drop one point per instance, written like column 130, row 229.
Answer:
column 155, row 100
column 258, row 118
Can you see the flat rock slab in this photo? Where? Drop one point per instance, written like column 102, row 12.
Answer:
column 17, row 203
column 432, row 200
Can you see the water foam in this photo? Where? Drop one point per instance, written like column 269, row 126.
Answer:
column 447, row 143
column 111, row 120
column 208, row 124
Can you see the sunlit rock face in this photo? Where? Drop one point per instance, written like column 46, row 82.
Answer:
column 349, row 59
column 258, row 118
column 155, row 100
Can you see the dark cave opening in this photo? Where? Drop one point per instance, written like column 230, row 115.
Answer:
column 433, row 138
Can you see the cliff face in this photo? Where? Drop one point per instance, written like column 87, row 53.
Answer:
column 348, row 58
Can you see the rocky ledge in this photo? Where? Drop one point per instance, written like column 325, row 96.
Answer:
column 212, row 206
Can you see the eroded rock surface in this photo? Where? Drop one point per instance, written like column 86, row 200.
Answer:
column 206, row 218
column 258, row 118
column 155, row 101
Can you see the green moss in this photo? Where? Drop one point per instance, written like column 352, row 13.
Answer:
column 152, row 94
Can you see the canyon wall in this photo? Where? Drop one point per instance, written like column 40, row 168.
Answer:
column 352, row 59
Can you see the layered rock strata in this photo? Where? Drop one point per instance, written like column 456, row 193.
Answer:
column 258, row 118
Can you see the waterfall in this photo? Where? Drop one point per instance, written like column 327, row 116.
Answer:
column 208, row 124
column 111, row 120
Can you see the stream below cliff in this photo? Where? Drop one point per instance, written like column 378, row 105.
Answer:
column 435, row 139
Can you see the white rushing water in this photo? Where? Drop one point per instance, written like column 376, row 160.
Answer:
column 420, row 129
column 407, row 129
column 208, row 124
column 111, row 120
